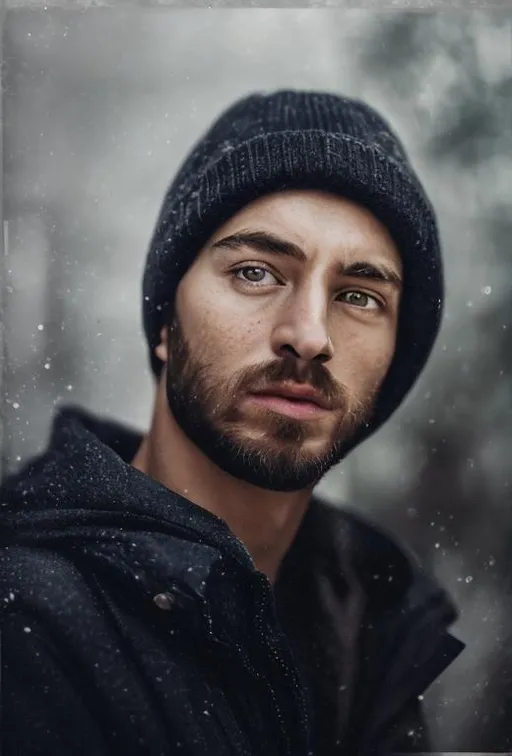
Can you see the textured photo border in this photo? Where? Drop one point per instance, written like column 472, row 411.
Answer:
column 82, row 5
column 392, row 5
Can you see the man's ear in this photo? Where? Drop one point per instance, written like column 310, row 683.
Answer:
column 161, row 350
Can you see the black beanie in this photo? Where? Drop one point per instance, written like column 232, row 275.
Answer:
column 303, row 140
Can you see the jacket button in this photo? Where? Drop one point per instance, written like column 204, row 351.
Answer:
column 164, row 600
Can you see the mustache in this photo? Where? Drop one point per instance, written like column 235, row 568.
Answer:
column 289, row 370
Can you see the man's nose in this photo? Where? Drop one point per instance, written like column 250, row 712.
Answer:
column 303, row 332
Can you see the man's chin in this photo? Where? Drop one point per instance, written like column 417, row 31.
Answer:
column 270, row 469
column 270, row 481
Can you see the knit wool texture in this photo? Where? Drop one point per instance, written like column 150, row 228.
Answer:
column 265, row 143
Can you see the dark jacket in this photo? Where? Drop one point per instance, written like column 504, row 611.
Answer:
column 134, row 622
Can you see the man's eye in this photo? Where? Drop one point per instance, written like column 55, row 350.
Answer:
column 360, row 299
column 253, row 274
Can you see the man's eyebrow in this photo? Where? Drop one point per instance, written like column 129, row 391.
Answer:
column 373, row 272
column 263, row 241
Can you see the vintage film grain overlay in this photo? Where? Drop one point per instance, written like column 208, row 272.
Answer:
column 42, row 6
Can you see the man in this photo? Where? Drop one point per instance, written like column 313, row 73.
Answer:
column 186, row 592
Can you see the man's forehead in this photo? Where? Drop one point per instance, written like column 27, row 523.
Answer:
column 302, row 213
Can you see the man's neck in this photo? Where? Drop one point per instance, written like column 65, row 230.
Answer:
column 265, row 521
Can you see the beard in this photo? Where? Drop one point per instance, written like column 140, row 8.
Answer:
column 272, row 454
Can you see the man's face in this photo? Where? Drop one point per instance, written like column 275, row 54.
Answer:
column 299, row 290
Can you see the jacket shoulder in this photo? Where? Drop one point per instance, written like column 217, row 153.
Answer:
column 40, row 594
column 40, row 578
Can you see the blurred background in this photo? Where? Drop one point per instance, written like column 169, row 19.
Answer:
column 100, row 106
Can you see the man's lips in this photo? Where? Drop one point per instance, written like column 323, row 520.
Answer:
column 296, row 392
column 302, row 403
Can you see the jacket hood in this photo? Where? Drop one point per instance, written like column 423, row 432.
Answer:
column 90, row 487
column 88, row 481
